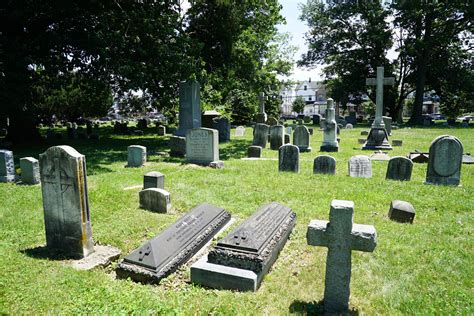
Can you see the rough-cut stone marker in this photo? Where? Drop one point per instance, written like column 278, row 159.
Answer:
column 397, row 142
column 254, row 152
column 242, row 258
column 177, row 146
column 154, row 179
column 401, row 211
column 360, row 167
column 445, row 159
column 289, row 158
column 277, row 134
column 189, row 106
column 156, row 200
column 260, row 135
column 202, row 146
column 324, row 165
column 136, row 156
column 29, row 170
column 165, row 253
column 7, row 167
column 161, row 130
column 239, row 131
column 340, row 235
column 399, row 168
column 301, row 138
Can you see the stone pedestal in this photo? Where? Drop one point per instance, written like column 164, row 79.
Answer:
column 153, row 179
column 330, row 143
column 377, row 140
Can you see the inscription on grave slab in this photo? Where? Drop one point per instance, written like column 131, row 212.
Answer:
column 202, row 146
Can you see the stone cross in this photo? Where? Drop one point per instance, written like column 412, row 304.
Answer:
column 262, row 98
column 380, row 81
column 340, row 235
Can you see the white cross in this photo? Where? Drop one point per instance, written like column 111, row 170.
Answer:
column 380, row 81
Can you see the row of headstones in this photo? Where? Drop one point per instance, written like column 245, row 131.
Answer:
column 29, row 168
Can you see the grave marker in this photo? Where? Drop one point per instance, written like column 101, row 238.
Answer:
column 329, row 126
column 260, row 135
column 7, row 166
column 261, row 116
column 154, row 179
column 29, row 170
column 189, row 106
column 239, row 131
column 289, row 158
column 360, row 167
column 136, row 156
column 254, row 152
column 155, row 199
column 324, row 165
column 277, row 135
column 202, row 146
column 301, row 138
column 445, row 159
column 399, row 168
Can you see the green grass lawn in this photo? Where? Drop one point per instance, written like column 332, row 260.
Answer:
column 423, row 268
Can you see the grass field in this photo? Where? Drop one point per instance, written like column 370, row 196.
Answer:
column 423, row 268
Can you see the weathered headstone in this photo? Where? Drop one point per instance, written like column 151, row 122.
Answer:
column 208, row 118
column 7, row 166
column 136, row 156
column 254, row 152
column 287, row 139
column 364, row 133
column 341, row 236
column 161, row 130
column 379, row 156
column 65, row 201
column 165, row 253
column 222, row 125
column 349, row 126
column 244, row 257
column 289, row 158
column 177, row 146
column 261, row 116
column 239, row 131
column 324, row 165
column 301, row 138
column 154, row 179
column 189, row 106
column 260, row 135
column 445, row 159
column 387, row 121
column 399, row 168
column 288, row 130
column 397, row 142
column 330, row 143
column 401, row 211
column 29, row 170
column 316, row 119
column 360, row 167
column 202, row 146
column 277, row 135
column 155, row 199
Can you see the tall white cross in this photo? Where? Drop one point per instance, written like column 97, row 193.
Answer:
column 380, row 81
column 262, row 98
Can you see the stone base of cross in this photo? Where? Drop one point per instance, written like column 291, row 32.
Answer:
column 377, row 140
column 340, row 235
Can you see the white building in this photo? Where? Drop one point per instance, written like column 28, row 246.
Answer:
column 312, row 92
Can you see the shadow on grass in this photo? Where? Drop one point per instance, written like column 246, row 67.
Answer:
column 313, row 308
column 234, row 149
column 43, row 252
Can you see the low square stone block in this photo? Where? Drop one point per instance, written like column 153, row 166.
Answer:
column 397, row 142
column 154, row 179
column 401, row 211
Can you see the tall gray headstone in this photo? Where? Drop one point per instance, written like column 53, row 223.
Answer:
column 324, row 165
column 277, row 134
column 260, row 135
column 399, row 168
column 289, row 158
column 360, row 167
column 189, row 106
column 202, row 146
column 65, row 201
column 329, row 126
column 301, row 138
column 445, row 159
column 136, row 156
column 341, row 236
column 29, row 170
column 222, row 125
column 7, row 167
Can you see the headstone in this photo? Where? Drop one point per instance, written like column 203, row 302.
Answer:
column 397, row 142
column 137, row 132
column 445, row 158
column 136, row 156
column 155, row 199
column 153, row 179
column 254, row 152
column 260, row 135
column 161, row 130
column 189, row 107
column 330, row 143
column 7, row 166
column 399, row 168
column 360, row 167
column 311, row 131
column 299, row 121
column 287, row 139
column 208, row 118
column 29, row 170
column 361, row 140
column 261, row 116
column 341, row 236
column 71, row 131
column 177, row 146
column 349, row 126
column 324, row 165
column 301, row 138
column 271, row 121
column 244, row 257
column 65, row 201
column 289, row 158
column 277, row 135
column 307, row 120
column 316, row 119
column 239, row 131
column 142, row 124
column 401, row 211
column 351, row 118
column 418, row 157
column 222, row 125
column 289, row 130
column 165, row 253
column 364, row 133
column 387, row 121
column 467, row 159
column 202, row 146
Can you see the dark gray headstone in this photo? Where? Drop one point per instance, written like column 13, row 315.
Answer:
column 301, row 138
column 399, row 168
column 222, row 125
column 161, row 130
column 445, row 158
column 7, row 167
column 277, row 133
column 254, row 152
column 154, row 179
column 177, row 146
column 287, row 138
column 271, row 121
column 316, row 119
column 260, row 135
column 289, row 158
column 324, row 165
column 401, row 211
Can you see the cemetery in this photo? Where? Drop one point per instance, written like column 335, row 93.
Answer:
column 160, row 164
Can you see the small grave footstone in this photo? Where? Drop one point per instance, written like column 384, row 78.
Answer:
column 324, row 165
column 467, row 159
column 341, row 236
column 397, row 142
column 153, row 179
column 29, row 170
column 277, row 134
column 260, row 135
column 399, row 168
column 7, row 167
column 244, row 257
column 202, row 146
column 136, row 156
column 239, row 131
column 360, row 167
column 189, row 106
column 177, row 146
column 161, row 130
column 165, row 253
column 155, row 199
column 254, row 152
column 361, row 140
column 301, row 138
column 364, row 133
column 401, row 211
column 289, row 158
column 445, row 158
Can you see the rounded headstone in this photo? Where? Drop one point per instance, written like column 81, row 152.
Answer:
column 324, row 165
column 289, row 158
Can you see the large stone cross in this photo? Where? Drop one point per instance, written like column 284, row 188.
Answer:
column 340, row 235
column 380, row 81
column 262, row 98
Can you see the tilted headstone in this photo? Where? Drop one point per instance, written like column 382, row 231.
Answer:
column 289, row 158
column 260, row 135
column 189, row 106
column 202, row 146
column 161, row 130
column 222, row 125
column 324, row 165
column 29, row 170
column 65, row 201
column 360, row 167
column 277, row 134
column 154, row 179
column 155, row 199
column 445, row 159
column 136, row 156
column 301, row 138
column 239, row 131
column 399, row 168
column 165, row 253
column 245, row 255
column 177, row 146
column 254, row 152
column 401, row 211
column 341, row 236
column 7, row 166
column 330, row 143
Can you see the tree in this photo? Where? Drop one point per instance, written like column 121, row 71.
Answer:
column 298, row 104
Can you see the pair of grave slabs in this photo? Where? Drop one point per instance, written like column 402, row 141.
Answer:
column 239, row 261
